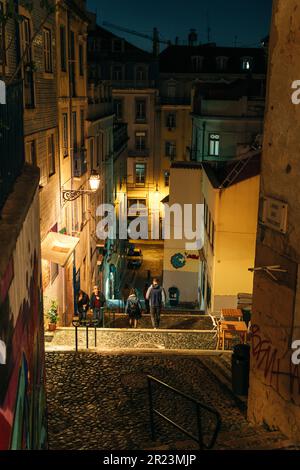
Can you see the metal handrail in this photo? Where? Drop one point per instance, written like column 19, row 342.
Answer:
column 199, row 406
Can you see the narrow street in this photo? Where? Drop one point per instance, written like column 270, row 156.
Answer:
column 152, row 266
column 176, row 123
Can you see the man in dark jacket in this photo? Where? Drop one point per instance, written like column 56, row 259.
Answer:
column 82, row 304
column 157, row 298
column 97, row 303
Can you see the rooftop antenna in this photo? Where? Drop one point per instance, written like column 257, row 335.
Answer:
column 235, row 40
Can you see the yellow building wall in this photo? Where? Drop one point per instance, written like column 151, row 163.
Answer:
column 181, row 134
column 185, row 188
column 234, row 212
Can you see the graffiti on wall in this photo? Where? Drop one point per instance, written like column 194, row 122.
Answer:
column 273, row 365
column 22, row 391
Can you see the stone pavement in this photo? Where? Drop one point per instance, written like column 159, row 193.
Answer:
column 98, row 401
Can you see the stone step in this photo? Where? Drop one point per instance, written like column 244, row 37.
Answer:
column 139, row 339
column 215, row 366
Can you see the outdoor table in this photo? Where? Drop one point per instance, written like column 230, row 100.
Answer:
column 238, row 327
column 231, row 313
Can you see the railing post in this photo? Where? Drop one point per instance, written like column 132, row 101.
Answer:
column 87, row 337
column 199, row 424
column 152, row 425
column 76, row 338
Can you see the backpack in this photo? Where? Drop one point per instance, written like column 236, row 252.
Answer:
column 133, row 307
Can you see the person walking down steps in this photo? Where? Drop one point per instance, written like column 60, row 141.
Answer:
column 97, row 305
column 133, row 308
column 157, row 298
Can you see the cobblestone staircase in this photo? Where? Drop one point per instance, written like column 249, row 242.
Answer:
column 98, row 401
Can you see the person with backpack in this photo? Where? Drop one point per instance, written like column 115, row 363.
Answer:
column 133, row 308
column 157, row 298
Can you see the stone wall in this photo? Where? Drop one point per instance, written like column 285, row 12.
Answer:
column 22, row 392
column 274, row 380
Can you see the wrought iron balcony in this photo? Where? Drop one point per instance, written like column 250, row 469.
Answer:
column 138, row 152
column 134, row 84
column 176, row 100
column 197, row 156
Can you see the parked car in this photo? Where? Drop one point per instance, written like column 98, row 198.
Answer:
column 134, row 258
column 130, row 249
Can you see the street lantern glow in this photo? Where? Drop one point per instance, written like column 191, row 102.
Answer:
column 72, row 194
column 94, row 182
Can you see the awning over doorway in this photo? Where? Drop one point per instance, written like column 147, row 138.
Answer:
column 58, row 248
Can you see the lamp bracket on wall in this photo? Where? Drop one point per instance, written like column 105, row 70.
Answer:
column 269, row 270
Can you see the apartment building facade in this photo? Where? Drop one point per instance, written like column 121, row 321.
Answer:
column 22, row 370
column 132, row 73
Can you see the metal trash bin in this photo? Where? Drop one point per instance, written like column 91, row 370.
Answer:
column 246, row 315
column 173, row 296
column 240, row 369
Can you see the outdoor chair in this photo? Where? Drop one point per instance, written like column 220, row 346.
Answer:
column 215, row 318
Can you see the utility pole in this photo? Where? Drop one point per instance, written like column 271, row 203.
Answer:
column 208, row 27
column 155, row 42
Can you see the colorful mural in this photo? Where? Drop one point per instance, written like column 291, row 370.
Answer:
column 22, row 391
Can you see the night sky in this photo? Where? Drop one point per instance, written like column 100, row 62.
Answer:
column 249, row 20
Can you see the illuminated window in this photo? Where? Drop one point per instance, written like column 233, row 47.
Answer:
column 167, row 178
column 140, row 174
column 51, row 154
column 247, row 63
column 214, row 145
column 65, row 135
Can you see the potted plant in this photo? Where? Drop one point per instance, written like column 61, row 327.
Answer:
column 53, row 315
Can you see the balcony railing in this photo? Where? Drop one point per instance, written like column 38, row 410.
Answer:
column 176, row 101
column 138, row 153
column 134, row 84
column 12, row 154
column 196, row 156
column 80, row 164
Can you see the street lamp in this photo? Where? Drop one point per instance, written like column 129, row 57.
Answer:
column 72, row 194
